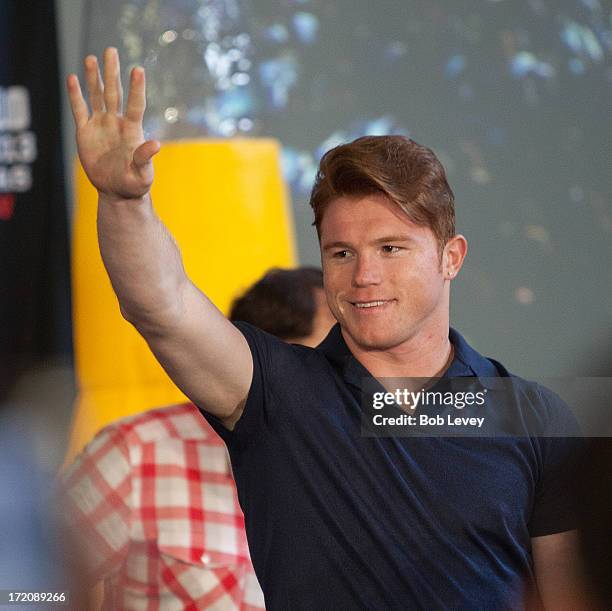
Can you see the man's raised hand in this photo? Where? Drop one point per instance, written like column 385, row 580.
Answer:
column 111, row 145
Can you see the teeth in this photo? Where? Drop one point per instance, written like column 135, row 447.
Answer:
column 369, row 304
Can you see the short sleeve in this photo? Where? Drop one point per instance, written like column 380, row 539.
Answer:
column 262, row 346
column 561, row 448
column 97, row 492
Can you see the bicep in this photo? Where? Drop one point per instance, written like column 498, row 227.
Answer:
column 205, row 355
column 558, row 571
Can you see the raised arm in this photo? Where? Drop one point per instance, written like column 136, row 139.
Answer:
column 204, row 354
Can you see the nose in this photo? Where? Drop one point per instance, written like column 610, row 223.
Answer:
column 367, row 271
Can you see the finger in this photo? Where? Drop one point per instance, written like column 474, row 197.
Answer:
column 80, row 112
column 95, row 86
column 144, row 153
column 119, row 92
column 112, row 80
column 136, row 101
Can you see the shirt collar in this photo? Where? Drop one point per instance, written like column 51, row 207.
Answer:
column 466, row 361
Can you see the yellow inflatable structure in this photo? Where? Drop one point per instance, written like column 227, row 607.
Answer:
column 227, row 206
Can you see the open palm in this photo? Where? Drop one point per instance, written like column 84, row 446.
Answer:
column 111, row 145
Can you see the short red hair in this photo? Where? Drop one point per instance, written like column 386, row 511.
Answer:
column 409, row 174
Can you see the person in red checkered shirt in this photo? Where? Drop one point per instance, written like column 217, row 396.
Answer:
column 153, row 501
column 152, row 496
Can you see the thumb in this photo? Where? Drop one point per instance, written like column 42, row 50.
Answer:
column 144, row 153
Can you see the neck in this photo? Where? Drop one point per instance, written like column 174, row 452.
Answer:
column 425, row 355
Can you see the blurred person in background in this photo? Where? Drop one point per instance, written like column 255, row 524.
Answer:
column 287, row 303
column 38, row 555
column 152, row 498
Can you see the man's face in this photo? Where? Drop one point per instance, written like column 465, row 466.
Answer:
column 383, row 276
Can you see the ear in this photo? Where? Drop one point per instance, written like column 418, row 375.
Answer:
column 453, row 255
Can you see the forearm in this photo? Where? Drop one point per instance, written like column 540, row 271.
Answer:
column 205, row 355
column 559, row 572
column 142, row 260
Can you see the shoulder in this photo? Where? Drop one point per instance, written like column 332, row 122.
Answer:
column 545, row 413
column 540, row 410
column 258, row 338
column 115, row 444
column 272, row 353
column 182, row 421
column 561, row 420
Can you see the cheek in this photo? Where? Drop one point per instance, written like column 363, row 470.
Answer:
column 419, row 282
column 333, row 279
column 332, row 294
column 332, row 297
column 423, row 269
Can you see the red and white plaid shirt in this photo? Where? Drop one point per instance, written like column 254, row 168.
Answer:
column 153, row 499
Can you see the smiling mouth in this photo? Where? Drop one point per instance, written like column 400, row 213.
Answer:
column 364, row 305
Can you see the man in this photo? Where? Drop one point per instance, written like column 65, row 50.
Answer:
column 152, row 498
column 335, row 519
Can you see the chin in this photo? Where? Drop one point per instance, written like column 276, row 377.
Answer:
column 375, row 339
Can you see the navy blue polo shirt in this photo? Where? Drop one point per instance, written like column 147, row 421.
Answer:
column 337, row 520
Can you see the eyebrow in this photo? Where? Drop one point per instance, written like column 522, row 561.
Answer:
column 336, row 245
column 394, row 238
column 383, row 240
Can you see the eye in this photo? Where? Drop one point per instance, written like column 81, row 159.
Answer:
column 341, row 254
column 389, row 249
